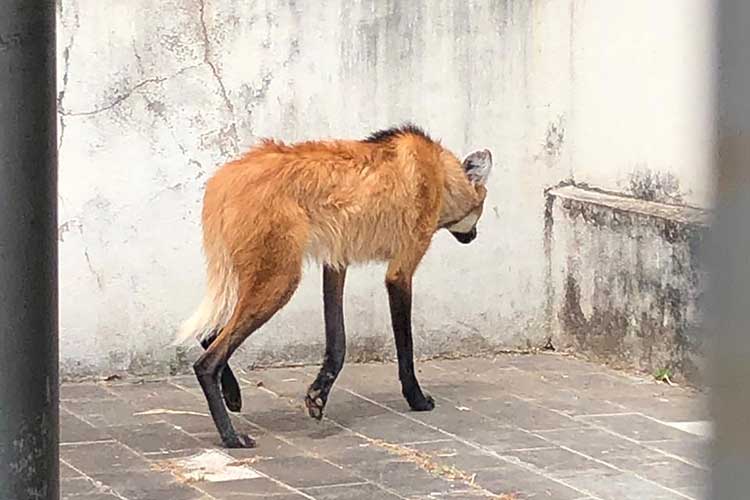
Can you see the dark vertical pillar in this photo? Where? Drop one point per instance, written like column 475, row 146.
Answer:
column 28, row 252
column 729, row 322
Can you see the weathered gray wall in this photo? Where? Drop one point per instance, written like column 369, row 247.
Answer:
column 155, row 95
column 627, row 284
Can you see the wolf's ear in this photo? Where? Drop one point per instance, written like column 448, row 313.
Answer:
column 477, row 166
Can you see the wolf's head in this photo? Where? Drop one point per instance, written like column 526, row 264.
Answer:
column 464, row 196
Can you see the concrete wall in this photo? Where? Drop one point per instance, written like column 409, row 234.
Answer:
column 155, row 95
column 641, row 110
column 627, row 285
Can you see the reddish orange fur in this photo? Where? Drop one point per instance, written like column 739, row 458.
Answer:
column 337, row 202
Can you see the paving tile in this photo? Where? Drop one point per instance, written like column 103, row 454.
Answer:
column 394, row 428
column 92, row 496
column 596, row 443
column 669, row 406
column 458, row 391
column 355, row 455
column 540, row 426
column 550, row 363
column 381, row 375
column 66, row 472
column 698, row 492
column 157, row 395
column 159, row 437
column 259, row 488
column 362, row 491
column 639, row 428
column 467, row 494
column 620, row 486
column 524, row 484
column 470, row 425
column 109, row 412
column 697, row 452
column 345, row 407
column 212, row 439
column 595, row 380
column 558, row 462
column 304, row 472
column 326, row 446
column 291, row 496
column 288, row 382
column 148, row 485
column 528, row 385
column 267, row 448
column 466, row 366
column 459, row 455
column 668, row 472
column 103, row 457
column 75, row 430
column 405, row 477
column 574, row 402
column 84, row 391
column 482, row 430
column 522, row 414
column 70, row 487
column 195, row 422
column 292, row 422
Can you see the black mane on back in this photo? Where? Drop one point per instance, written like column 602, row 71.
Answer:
column 386, row 135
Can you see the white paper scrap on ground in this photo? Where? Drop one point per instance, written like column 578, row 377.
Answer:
column 214, row 466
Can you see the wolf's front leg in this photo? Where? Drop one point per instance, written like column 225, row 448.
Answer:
column 399, row 299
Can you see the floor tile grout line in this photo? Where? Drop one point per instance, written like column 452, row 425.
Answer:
column 552, row 429
column 669, row 423
column 590, row 457
column 535, row 448
column 338, row 485
column 476, row 446
column 80, row 417
column 368, row 438
column 96, row 483
column 602, row 415
column 633, row 381
column 114, row 394
column 290, row 443
column 592, row 425
column 646, row 445
column 259, row 472
column 272, row 479
column 619, row 405
column 141, row 455
column 305, row 451
column 619, row 469
column 323, row 459
column 429, row 441
column 87, row 443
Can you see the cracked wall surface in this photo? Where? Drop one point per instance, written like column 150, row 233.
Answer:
column 154, row 96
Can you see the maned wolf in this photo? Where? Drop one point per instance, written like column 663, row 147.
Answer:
column 337, row 202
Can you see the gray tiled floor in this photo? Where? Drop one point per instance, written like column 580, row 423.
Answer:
column 528, row 427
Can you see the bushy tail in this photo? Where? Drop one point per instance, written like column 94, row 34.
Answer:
column 220, row 299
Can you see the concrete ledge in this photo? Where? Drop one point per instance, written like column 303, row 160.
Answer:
column 624, row 281
column 674, row 213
